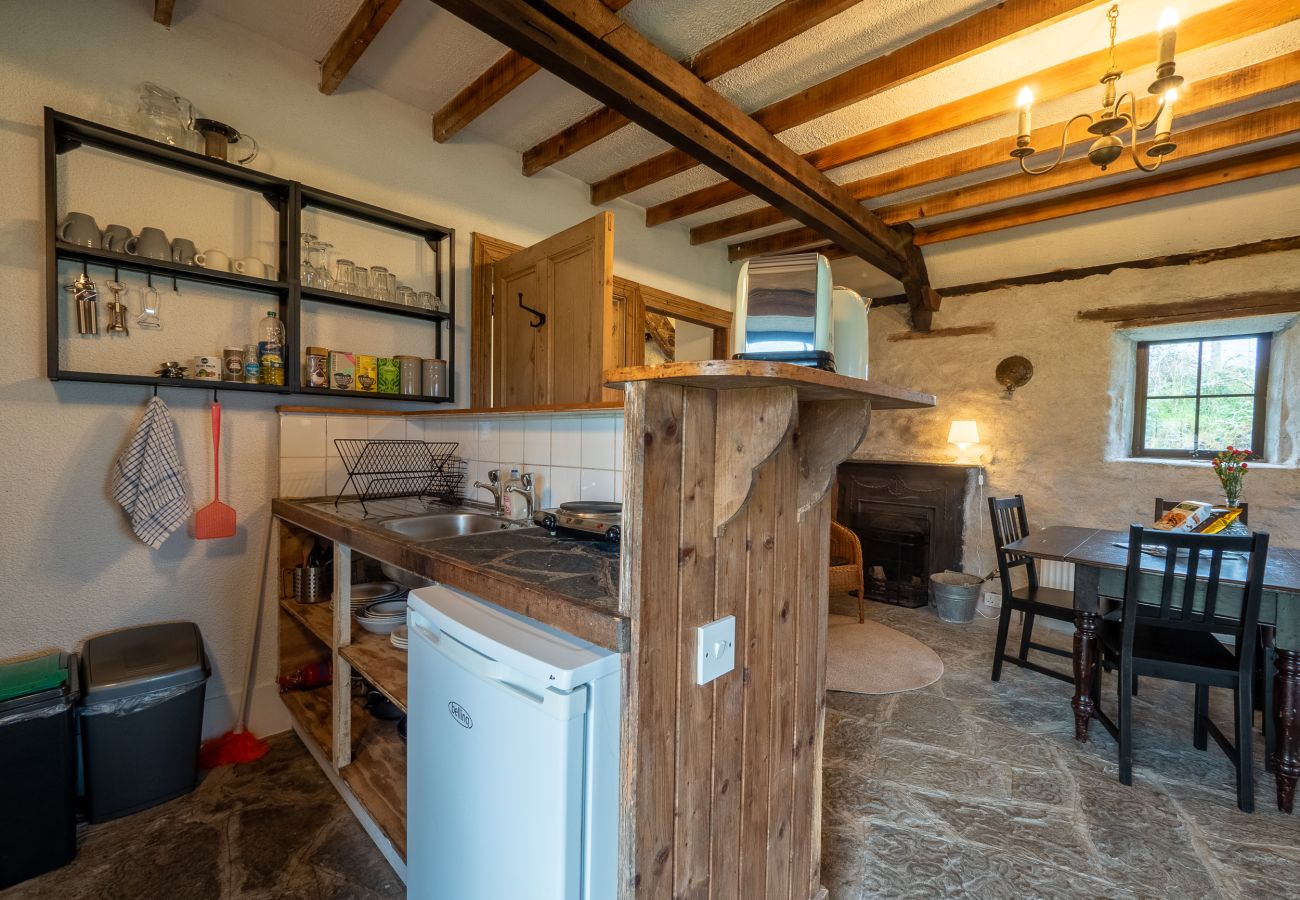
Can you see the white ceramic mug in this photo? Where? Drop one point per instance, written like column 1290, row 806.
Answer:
column 250, row 266
column 213, row 259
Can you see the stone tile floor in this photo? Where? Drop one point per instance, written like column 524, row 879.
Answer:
column 969, row 788
column 963, row 789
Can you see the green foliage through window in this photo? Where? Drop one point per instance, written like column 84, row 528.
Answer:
column 1197, row 397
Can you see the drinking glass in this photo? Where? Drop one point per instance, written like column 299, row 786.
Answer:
column 390, row 288
column 304, row 260
column 379, row 282
column 318, row 259
column 361, row 282
column 343, row 269
column 405, row 295
column 425, row 300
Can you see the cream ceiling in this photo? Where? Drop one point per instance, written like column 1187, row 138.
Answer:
column 424, row 56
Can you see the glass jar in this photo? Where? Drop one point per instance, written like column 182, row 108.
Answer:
column 343, row 269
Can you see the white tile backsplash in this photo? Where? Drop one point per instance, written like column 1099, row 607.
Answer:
column 599, row 435
column 566, row 441
column 598, row 484
column 566, row 484
column 511, row 432
column 387, row 428
column 302, row 477
column 303, row 436
column 571, row 456
column 537, row 440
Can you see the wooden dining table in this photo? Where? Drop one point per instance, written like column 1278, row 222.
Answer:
column 1100, row 558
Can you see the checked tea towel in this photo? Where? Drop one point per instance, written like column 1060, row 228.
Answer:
column 149, row 480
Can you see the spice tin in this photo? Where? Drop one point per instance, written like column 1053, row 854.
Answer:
column 315, row 373
column 207, row 368
column 232, row 364
column 343, row 370
column 388, row 375
column 435, row 377
column 366, row 375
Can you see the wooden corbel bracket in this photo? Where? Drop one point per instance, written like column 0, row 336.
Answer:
column 752, row 424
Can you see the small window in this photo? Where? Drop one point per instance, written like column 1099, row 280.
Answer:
column 1197, row 397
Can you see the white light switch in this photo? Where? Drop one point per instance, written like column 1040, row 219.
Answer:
column 715, row 649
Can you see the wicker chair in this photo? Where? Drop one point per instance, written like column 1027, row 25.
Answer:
column 846, row 566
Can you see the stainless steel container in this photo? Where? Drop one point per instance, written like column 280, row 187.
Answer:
column 409, row 375
column 435, row 377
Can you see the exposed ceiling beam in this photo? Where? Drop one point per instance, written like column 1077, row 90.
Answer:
column 1234, row 306
column 981, row 31
column 485, row 91
column 1239, row 168
column 1221, row 25
column 162, row 12
column 773, row 28
column 591, row 48
column 353, row 40
column 1248, row 82
column 1274, row 122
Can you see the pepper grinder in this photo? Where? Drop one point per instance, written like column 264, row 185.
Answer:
column 117, row 310
column 85, row 295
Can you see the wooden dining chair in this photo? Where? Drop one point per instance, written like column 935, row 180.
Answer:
column 1164, row 635
column 846, row 566
column 1265, row 652
column 1010, row 523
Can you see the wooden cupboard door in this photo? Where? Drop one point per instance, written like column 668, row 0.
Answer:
column 567, row 277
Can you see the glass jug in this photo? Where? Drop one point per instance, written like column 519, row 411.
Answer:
column 165, row 116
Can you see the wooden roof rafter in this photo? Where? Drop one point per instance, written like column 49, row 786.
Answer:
column 490, row 88
column 584, row 43
column 353, row 41
column 935, row 50
column 751, row 40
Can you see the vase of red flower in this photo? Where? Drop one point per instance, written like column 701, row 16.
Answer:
column 1231, row 466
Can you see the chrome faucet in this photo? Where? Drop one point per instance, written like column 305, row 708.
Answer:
column 524, row 489
column 494, row 487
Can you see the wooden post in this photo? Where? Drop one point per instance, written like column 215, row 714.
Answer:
column 728, row 467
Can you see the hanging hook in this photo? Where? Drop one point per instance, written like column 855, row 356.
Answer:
column 117, row 276
column 155, row 390
column 149, row 277
column 175, row 289
column 85, row 270
column 541, row 316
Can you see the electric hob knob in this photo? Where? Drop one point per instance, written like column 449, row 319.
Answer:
column 613, row 534
column 549, row 521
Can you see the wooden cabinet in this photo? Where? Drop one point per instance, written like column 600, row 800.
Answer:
column 554, row 326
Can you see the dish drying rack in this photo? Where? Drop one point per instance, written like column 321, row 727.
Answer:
column 382, row 469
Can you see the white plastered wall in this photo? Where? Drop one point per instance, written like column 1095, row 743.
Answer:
column 69, row 565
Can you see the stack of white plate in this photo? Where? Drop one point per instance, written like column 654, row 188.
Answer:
column 382, row 616
column 365, row 593
column 398, row 637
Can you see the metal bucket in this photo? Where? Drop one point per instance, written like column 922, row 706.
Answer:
column 954, row 596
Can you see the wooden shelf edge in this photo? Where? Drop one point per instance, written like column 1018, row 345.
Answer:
column 312, row 712
column 735, row 374
column 578, row 408
column 379, row 662
column 317, row 618
column 377, row 777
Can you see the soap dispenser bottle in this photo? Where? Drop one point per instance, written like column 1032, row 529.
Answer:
column 509, row 499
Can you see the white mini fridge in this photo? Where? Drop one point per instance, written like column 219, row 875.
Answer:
column 512, row 756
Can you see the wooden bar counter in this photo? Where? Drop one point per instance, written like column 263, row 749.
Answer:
column 726, row 512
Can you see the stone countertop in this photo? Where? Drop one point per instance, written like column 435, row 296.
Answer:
column 567, row 584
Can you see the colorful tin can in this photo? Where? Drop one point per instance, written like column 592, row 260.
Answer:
column 366, row 375
column 232, row 364
column 316, row 371
column 207, row 368
column 388, row 375
column 343, row 370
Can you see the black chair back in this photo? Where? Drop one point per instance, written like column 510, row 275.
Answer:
column 1163, row 506
column 1011, row 524
column 1177, row 607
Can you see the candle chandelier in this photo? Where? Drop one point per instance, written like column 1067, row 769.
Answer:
column 1113, row 119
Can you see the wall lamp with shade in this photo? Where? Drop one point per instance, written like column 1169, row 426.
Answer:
column 963, row 433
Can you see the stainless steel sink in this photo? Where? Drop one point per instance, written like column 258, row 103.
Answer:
column 444, row 525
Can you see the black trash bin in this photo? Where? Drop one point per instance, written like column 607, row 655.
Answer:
column 38, row 766
column 141, row 716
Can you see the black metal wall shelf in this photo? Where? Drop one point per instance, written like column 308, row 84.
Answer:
column 65, row 133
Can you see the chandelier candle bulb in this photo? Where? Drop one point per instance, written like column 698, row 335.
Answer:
column 1165, row 121
column 1168, row 29
column 1025, row 100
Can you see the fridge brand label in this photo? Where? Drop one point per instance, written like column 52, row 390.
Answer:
column 458, row 713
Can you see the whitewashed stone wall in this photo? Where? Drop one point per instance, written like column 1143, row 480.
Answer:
column 1062, row 439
